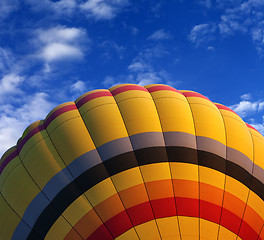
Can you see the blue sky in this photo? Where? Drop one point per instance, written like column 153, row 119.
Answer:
column 53, row 51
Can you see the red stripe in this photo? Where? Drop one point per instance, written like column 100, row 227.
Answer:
column 101, row 233
column 118, row 224
column 210, row 211
column 163, row 87
column 249, row 126
column 45, row 125
column 140, row 213
column 29, row 135
column 128, row 88
column 246, row 232
column 9, row 158
column 230, row 221
column 186, row 207
column 93, row 96
column 59, row 112
column 195, row 94
column 164, row 207
column 36, row 130
column 219, row 106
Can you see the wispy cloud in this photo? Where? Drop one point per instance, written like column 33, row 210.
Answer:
column 111, row 48
column 59, row 8
column 103, row 9
column 79, row 86
column 141, row 70
column 7, row 7
column 244, row 17
column 202, row 33
column 246, row 96
column 7, row 60
column 138, row 66
column 206, row 3
column 160, row 35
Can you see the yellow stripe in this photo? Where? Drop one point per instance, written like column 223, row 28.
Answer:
column 208, row 121
column 234, row 125
column 139, row 114
column 8, row 220
column 70, row 136
column 19, row 189
column 105, row 124
column 174, row 112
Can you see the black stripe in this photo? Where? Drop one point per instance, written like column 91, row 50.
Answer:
column 130, row 160
column 182, row 154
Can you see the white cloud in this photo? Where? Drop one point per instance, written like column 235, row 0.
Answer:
column 13, row 121
column 210, row 48
column 137, row 67
column 78, row 86
column 60, row 34
column 259, row 127
column 60, row 51
column 60, row 43
column 103, row 9
column 246, row 96
column 148, row 78
column 201, row 33
column 159, row 35
column 9, row 85
column 245, row 108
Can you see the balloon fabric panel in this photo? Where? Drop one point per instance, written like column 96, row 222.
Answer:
column 135, row 162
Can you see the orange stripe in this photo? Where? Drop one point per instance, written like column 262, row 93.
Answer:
column 209, row 195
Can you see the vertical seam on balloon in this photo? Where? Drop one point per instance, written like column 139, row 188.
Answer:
column 139, row 170
column 139, row 167
column 46, row 129
column 38, row 193
column 93, row 207
column 7, row 175
column 110, row 177
column 219, row 225
column 41, row 189
column 249, row 180
column 260, row 231
column 21, row 219
column 198, row 166
column 169, row 166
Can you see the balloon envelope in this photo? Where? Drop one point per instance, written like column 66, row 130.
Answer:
column 135, row 162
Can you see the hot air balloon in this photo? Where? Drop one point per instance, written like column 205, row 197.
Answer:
column 135, row 162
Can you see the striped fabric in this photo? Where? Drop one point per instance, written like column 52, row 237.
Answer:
column 135, row 162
